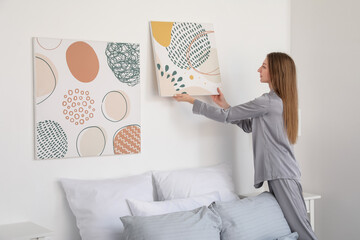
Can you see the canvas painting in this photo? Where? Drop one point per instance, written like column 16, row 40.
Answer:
column 86, row 97
column 185, row 58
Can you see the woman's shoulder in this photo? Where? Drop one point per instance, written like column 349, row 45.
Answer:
column 266, row 97
column 271, row 99
column 270, row 96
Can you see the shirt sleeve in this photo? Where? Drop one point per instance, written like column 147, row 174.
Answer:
column 255, row 108
column 245, row 125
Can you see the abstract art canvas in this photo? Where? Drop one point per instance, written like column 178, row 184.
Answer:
column 86, row 97
column 185, row 57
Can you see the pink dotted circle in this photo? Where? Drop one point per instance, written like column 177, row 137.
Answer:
column 75, row 104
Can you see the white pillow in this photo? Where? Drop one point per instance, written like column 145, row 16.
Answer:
column 141, row 208
column 193, row 182
column 98, row 204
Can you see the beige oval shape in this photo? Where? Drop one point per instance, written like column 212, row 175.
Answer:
column 49, row 43
column 197, row 91
column 45, row 78
column 115, row 106
column 90, row 142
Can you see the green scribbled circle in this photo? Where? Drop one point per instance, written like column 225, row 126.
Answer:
column 124, row 60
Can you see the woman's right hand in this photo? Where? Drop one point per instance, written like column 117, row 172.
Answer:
column 184, row 98
column 220, row 100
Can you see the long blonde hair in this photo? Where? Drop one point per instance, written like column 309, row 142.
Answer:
column 283, row 80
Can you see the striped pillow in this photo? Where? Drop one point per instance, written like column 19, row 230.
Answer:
column 199, row 224
column 257, row 217
column 143, row 208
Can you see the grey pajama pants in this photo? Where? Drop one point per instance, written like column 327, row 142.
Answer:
column 288, row 193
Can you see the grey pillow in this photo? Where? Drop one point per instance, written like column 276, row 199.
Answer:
column 199, row 224
column 252, row 218
column 292, row 236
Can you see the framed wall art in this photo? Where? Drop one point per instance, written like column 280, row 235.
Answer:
column 185, row 57
column 86, row 97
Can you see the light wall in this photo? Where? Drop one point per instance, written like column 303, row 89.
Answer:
column 172, row 137
column 325, row 44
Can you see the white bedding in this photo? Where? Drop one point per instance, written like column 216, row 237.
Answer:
column 98, row 205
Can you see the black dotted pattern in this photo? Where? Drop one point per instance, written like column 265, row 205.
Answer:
column 182, row 34
column 51, row 140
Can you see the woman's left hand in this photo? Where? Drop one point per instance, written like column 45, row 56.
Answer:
column 220, row 100
column 184, row 98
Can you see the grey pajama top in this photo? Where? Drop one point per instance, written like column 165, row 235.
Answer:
column 273, row 154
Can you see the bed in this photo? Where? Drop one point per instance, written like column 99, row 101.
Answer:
column 189, row 204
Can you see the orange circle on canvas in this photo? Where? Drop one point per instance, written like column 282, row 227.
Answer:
column 82, row 61
column 127, row 140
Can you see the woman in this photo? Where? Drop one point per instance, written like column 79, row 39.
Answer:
column 273, row 120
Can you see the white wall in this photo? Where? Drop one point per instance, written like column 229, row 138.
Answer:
column 245, row 32
column 325, row 43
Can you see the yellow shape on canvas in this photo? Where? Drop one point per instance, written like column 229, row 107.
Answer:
column 162, row 32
